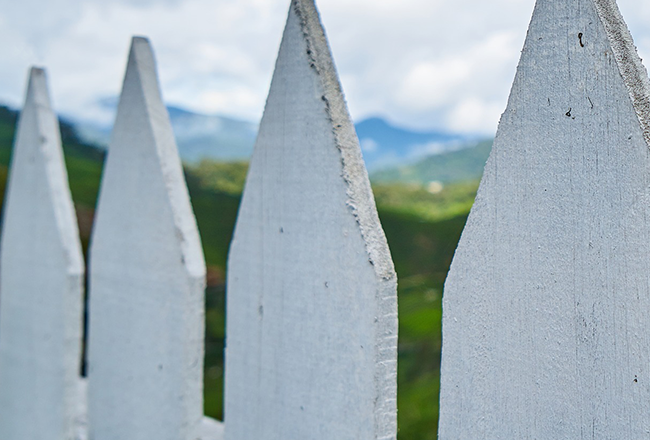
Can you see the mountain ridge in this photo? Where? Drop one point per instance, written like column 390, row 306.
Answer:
column 224, row 138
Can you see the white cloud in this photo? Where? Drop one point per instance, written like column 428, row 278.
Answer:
column 474, row 115
column 436, row 83
column 431, row 84
column 422, row 63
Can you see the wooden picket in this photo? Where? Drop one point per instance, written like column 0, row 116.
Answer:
column 41, row 275
column 147, row 277
column 545, row 332
column 311, row 301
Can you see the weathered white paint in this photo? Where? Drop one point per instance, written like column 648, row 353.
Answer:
column 81, row 414
column 546, row 329
column 40, row 280
column 211, row 429
column 147, row 277
column 312, row 310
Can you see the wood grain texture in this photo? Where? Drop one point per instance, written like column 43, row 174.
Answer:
column 545, row 328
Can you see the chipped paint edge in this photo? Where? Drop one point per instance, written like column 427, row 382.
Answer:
column 362, row 205
column 634, row 73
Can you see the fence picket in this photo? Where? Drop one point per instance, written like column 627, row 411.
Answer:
column 547, row 301
column 41, row 276
column 311, row 303
column 147, row 277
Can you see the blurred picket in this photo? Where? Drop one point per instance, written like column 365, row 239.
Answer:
column 41, row 277
column 146, row 277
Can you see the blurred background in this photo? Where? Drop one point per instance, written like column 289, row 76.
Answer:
column 426, row 82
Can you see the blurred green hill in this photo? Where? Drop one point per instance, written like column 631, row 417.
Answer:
column 422, row 223
column 461, row 165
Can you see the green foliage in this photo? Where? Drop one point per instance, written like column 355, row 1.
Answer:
column 422, row 229
column 216, row 213
column 7, row 123
column 225, row 177
column 84, row 176
column 215, row 333
column 418, row 200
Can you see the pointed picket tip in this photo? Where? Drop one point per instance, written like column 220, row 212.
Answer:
column 43, row 123
column 141, row 91
column 547, row 298
column 37, row 91
column 312, row 308
column 147, row 277
column 41, row 275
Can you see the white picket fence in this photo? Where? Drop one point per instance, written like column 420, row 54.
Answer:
column 312, row 308
column 545, row 309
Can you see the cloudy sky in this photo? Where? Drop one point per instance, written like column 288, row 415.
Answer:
column 427, row 64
